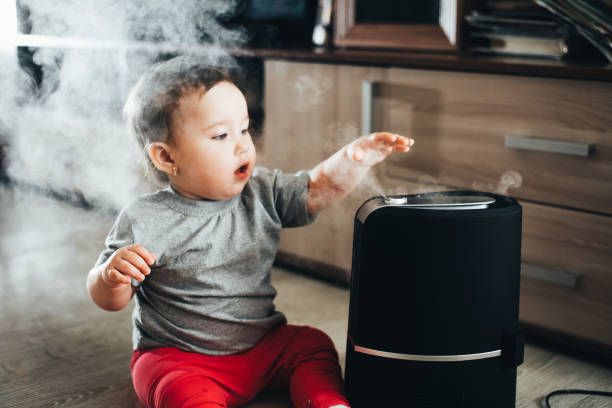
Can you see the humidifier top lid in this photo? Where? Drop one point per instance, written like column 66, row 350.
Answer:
column 429, row 201
column 442, row 201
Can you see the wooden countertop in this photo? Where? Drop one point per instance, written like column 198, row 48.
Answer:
column 444, row 61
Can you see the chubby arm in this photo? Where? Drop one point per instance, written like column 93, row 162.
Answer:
column 109, row 284
column 337, row 176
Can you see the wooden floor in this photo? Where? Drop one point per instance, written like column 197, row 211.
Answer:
column 58, row 349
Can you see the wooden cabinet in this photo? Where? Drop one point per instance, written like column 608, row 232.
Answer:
column 546, row 142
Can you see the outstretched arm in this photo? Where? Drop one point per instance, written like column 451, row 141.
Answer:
column 337, row 176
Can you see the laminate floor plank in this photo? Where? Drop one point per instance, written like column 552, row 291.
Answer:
column 57, row 349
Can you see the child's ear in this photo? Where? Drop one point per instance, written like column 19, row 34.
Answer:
column 159, row 153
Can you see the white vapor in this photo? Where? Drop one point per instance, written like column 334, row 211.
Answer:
column 69, row 134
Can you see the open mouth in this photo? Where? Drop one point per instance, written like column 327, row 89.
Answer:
column 243, row 170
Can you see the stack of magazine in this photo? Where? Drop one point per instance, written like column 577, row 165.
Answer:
column 591, row 18
column 524, row 28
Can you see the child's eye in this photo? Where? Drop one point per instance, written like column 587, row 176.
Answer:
column 245, row 131
column 220, row 137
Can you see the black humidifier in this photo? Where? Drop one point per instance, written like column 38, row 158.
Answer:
column 434, row 302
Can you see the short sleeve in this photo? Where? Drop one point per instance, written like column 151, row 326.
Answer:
column 119, row 236
column 291, row 197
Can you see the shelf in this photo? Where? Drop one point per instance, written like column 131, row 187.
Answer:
column 455, row 61
column 444, row 61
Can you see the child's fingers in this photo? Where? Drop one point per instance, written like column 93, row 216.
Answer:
column 382, row 137
column 143, row 252
column 116, row 277
column 399, row 141
column 390, row 139
column 403, row 141
column 128, row 269
column 401, row 148
column 373, row 148
column 137, row 261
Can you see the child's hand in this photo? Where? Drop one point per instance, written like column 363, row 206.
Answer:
column 371, row 149
column 128, row 262
column 337, row 176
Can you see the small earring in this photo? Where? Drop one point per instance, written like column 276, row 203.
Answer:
column 174, row 171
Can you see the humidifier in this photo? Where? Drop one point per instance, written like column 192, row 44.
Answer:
column 434, row 301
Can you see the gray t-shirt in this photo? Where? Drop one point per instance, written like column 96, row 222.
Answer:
column 209, row 290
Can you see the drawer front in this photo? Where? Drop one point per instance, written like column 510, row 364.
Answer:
column 568, row 243
column 487, row 132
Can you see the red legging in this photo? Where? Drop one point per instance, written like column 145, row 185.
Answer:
column 301, row 358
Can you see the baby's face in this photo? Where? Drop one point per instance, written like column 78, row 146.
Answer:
column 212, row 147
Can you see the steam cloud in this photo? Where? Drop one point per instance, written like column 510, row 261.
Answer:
column 509, row 179
column 69, row 134
column 310, row 92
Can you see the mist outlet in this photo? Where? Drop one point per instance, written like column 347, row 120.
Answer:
column 395, row 200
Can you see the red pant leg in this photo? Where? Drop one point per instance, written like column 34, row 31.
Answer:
column 188, row 390
column 305, row 360
column 300, row 357
column 169, row 377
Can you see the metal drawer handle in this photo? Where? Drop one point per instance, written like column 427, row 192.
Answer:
column 367, row 106
column 563, row 278
column 549, row 145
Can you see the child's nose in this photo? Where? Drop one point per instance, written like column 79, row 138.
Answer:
column 242, row 146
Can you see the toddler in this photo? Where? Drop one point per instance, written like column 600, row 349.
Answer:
column 196, row 255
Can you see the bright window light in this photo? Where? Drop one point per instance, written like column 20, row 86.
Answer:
column 8, row 24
